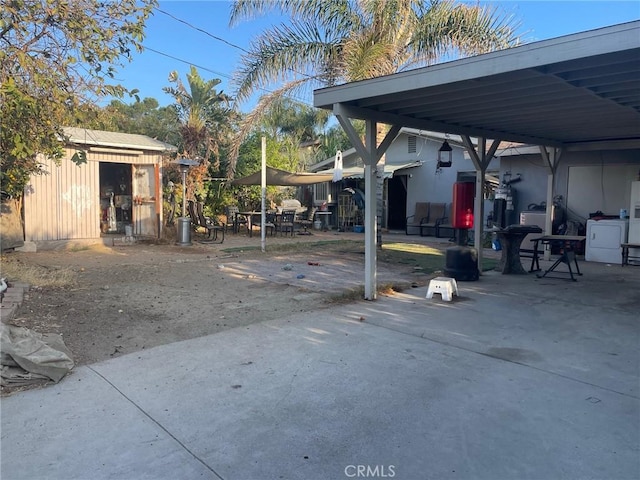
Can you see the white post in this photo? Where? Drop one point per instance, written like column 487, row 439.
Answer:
column 263, row 183
column 370, row 210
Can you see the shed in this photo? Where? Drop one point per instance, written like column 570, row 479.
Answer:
column 117, row 193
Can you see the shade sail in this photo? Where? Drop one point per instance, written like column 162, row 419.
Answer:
column 389, row 170
column 284, row 178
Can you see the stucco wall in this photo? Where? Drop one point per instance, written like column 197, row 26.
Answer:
column 587, row 181
column 426, row 183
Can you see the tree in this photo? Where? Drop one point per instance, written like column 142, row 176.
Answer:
column 144, row 117
column 297, row 127
column 55, row 57
column 204, row 116
column 327, row 42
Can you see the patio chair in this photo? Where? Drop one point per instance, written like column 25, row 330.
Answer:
column 234, row 219
column 437, row 214
column 193, row 216
column 445, row 227
column 286, row 223
column 212, row 226
column 307, row 222
column 270, row 222
column 420, row 215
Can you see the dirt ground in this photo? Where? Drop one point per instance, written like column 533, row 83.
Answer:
column 128, row 298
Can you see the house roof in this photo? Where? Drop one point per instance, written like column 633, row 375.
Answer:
column 352, row 152
column 101, row 138
column 578, row 91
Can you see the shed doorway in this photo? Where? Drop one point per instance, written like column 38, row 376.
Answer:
column 115, row 198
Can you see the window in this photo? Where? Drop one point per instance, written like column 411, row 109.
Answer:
column 320, row 193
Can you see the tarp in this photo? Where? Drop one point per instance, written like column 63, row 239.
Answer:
column 284, row 178
column 30, row 357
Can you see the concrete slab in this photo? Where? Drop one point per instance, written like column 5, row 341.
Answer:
column 518, row 377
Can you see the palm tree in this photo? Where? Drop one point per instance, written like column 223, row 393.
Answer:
column 328, row 42
column 204, row 118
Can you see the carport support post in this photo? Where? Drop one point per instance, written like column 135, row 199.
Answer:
column 552, row 159
column 263, row 186
column 481, row 159
column 370, row 210
column 370, row 155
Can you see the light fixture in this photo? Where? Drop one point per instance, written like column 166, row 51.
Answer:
column 445, row 155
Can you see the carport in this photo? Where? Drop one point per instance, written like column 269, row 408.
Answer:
column 574, row 93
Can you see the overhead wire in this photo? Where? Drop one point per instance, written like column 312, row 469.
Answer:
column 220, row 39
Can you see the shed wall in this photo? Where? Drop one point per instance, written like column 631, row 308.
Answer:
column 64, row 204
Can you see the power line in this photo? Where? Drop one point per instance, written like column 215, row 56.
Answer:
column 220, row 39
column 233, row 45
column 226, row 75
column 216, row 72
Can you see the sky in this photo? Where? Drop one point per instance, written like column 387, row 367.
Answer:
column 198, row 33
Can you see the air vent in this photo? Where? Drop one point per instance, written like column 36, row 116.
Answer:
column 411, row 142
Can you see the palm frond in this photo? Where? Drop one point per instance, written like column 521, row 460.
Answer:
column 282, row 53
column 253, row 119
column 457, row 29
column 330, row 13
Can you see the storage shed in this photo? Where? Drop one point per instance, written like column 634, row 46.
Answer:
column 116, row 194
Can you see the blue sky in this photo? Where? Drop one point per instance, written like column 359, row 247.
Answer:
column 168, row 37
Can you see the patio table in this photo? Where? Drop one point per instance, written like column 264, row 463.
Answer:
column 568, row 256
column 323, row 216
column 510, row 240
column 249, row 216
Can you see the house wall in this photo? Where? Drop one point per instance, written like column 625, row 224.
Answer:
column 587, row 181
column 426, row 183
column 64, row 204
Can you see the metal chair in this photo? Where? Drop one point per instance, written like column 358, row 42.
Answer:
column 286, row 223
column 235, row 219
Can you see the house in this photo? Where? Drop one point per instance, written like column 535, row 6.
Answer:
column 117, row 193
column 410, row 173
column 571, row 94
column 585, row 181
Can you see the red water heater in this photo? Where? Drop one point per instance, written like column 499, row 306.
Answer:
column 462, row 208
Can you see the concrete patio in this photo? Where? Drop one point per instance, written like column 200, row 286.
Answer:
column 517, row 378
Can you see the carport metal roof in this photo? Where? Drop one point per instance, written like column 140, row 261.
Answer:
column 573, row 91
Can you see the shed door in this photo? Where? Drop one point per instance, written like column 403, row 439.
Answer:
column 146, row 214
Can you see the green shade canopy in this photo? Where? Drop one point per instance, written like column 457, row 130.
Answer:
column 283, row 178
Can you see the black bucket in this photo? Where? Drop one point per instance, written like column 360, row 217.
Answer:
column 462, row 263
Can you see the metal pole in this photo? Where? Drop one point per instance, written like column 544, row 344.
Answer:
column 184, row 191
column 263, row 183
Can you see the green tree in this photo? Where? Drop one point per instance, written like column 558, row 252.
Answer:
column 144, row 117
column 204, row 118
column 297, row 127
column 55, row 57
column 250, row 161
column 327, row 42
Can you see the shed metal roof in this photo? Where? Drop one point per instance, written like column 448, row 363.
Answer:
column 84, row 136
column 578, row 91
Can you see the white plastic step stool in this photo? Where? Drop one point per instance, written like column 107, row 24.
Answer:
column 445, row 286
